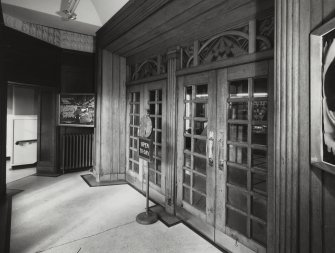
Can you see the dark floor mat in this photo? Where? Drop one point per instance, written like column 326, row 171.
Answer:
column 167, row 219
column 46, row 175
column 91, row 181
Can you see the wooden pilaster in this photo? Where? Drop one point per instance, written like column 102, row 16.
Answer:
column 171, row 132
column 291, row 163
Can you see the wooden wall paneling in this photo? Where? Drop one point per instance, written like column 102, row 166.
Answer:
column 106, row 116
column 170, row 18
column 287, row 145
column 233, row 14
column 328, row 212
column 328, row 10
column 315, row 15
column 3, row 110
column 31, row 60
column 211, row 126
column 122, row 118
column 171, row 132
column 97, row 135
column 316, row 244
column 180, row 140
column 252, row 36
column 115, row 130
column 129, row 16
column 304, row 122
column 47, row 133
column 221, row 173
column 271, row 171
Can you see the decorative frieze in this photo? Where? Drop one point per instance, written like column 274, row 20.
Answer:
column 150, row 67
column 265, row 33
column 229, row 44
column 57, row 37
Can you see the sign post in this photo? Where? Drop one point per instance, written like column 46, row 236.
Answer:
column 145, row 150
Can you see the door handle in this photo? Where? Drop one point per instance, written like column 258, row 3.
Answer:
column 221, row 159
column 211, row 148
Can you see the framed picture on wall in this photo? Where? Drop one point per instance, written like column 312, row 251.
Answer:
column 322, row 85
column 77, row 110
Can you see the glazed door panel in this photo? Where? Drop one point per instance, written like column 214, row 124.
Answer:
column 196, row 148
column 155, row 104
column 224, row 153
column 244, row 101
column 149, row 98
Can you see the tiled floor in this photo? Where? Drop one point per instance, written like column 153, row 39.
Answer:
column 64, row 214
column 12, row 175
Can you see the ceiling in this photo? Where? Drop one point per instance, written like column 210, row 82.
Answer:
column 91, row 14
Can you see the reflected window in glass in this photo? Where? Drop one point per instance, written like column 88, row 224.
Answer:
column 238, row 89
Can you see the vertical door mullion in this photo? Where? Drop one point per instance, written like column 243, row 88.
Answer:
column 250, row 91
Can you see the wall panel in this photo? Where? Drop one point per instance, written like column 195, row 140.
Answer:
column 110, row 137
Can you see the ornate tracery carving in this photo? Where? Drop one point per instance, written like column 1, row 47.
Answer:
column 150, row 67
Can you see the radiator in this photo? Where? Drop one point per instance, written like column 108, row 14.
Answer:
column 77, row 151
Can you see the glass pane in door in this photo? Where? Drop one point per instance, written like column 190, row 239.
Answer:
column 155, row 112
column 247, row 141
column 195, row 145
column 134, row 115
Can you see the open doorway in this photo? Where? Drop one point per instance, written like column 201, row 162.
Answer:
column 21, row 150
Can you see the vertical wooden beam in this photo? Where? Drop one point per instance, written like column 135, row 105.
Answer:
column 171, row 132
column 110, row 141
column 252, row 36
column 97, row 132
column 3, row 109
column 122, row 116
column 291, row 136
column 304, row 122
column 315, row 188
column 195, row 53
column 115, row 126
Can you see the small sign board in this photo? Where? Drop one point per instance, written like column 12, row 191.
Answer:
column 145, row 148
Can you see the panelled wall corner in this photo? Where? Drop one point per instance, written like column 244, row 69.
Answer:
column 210, row 96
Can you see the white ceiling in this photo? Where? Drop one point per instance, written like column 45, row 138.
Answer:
column 91, row 14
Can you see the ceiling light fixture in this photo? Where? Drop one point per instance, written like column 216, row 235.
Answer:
column 70, row 9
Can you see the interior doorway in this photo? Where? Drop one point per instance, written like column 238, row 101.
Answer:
column 224, row 145
column 22, row 126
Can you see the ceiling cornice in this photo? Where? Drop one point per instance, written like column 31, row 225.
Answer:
column 56, row 37
column 133, row 13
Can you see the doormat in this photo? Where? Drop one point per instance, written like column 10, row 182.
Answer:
column 46, row 175
column 90, row 180
column 163, row 216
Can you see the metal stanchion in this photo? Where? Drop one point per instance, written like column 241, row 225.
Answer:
column 147, row 217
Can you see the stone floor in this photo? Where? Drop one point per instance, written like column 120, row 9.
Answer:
column 64, row 214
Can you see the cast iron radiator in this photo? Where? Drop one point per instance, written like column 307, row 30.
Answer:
column 77, row 151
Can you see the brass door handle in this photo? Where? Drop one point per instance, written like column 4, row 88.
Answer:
column 211, row 148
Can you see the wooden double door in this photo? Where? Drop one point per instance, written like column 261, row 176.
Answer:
column 224, row 154
column 147, row 98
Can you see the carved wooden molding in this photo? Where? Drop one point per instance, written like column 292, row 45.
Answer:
column 148, row 68
column 228, row 44
column 57, row 37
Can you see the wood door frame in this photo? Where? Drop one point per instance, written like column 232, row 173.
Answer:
column 158, row 193
column 206, row 222
column 131, row 176
column 138, row 180
column 223, row 234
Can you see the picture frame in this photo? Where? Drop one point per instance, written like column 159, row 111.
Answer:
column 322, row 96
column 76, row 109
